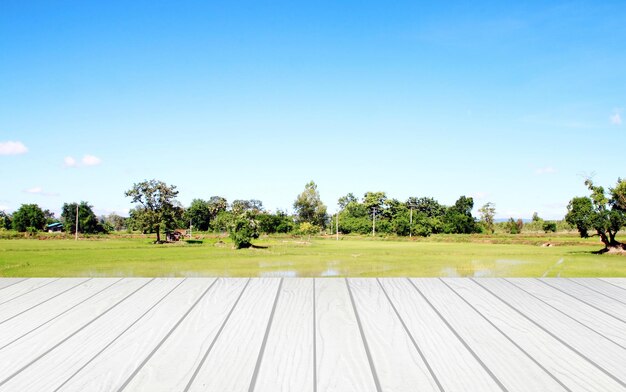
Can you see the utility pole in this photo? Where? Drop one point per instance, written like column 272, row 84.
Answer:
column 374, row 222
column 411, row 223
column 76, row 228
column 337, row 226
column 190, row 228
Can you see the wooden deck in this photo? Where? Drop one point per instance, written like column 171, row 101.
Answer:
column 327, row 334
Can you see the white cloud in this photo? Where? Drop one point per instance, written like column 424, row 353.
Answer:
column 545, row 170
column 479, row 195
column 90, row 160
column 34, row 190
column 69, row 162
column 616, row 118
column 12, row 148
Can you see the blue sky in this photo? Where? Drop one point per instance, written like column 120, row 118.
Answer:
column 512, row 104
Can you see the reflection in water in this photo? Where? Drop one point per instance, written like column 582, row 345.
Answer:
column 479, row 269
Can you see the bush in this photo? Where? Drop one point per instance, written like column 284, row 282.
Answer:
column 243, row 230
column 514, row 227
column 549, row 227
column 306, row 228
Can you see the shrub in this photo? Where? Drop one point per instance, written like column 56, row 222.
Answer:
column 549, row 227
column 242, row 230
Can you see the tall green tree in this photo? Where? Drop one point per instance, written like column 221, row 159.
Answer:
column 198, row 214
column 458, row 218
column 5, row 220
column 157, row 207
column 87, row 220
column 28, row 217
column 309, row 206
column 602, row 214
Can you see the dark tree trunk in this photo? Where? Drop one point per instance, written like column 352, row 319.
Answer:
column 158, row 232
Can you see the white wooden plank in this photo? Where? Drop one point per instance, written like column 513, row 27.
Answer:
column 342, row 363
column 110, row 369
column 34, row 299
column 64, row 360
column 6, row 282
column 590, row 297
column 603, row 287
column 188, row 342
column 24, row 287
column 35, row 318
column 231, row 362
column 598, row 321
column 620, row 282
column 398, row 363
column 572, row 370
column 598, row 350
column 288, row 361
column 514, row 369
column 454, row 366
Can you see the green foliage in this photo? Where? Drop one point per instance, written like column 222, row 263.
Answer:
column 5, row 221
column 309, row 207
column 549, row 227
column 514, row 226
column 243, row 229
column 458, row 219
column 198, row 214
column 279, row 222
column 536, row 217
column 618, row 195
column 240, row 206
column 487, row 213
column 158, row 209
column 28, row 216
column 115, row 222
column 87, row 221
column 347, row 199
column 307, row 228
column 599, row 212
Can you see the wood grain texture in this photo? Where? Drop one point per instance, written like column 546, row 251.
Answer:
column 32, row 299
column 454, row 366
column 605, row 354
column 601, row 302
column 20, row 353
column 598, row 321
column 288, row 362
column 112, row 367
column 572, row 370
column 342, row 364
column 398, row 363
column 19, row 289
column 6, row 282
column 621, row 282
column 35, row 318
column 603, row 287
column 231, row 362
column 63, row 361
column 189, row 342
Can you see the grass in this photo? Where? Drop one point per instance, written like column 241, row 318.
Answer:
column 440, row 255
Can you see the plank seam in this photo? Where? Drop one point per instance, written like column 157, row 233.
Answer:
column 69, row 336
column 507, row 337
column 60, row 314
column 206, row 354
column 493, row 376
column 553, row 335
column 119, row 335
column 406, row 329
column 367, row 348
column 612, row 284
column 141, row 365
column 257, row 367
column 599, row 292
column 14, row 283
column 44, row 301
column 565, row 314
column 583, row 301
column 30, row 291
column 314, row 339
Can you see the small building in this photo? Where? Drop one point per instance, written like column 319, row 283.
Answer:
column 54, row 227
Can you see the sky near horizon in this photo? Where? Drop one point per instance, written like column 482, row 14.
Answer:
column 508, row 103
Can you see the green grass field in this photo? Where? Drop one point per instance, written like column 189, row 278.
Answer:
column 439, row 255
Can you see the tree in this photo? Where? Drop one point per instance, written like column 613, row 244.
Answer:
column 5, row 220
column 240, row 206
column 115, row 222
column 549, row 227
column 514, row 227
column 487, row 213
column 243, row 229
column 536, row 217
column 87, row 220
column 600, row 213
column 458, row 218
column 28, row 217
column 309, row 206
column 199, row 214
column 345, row 200
column 158, row 209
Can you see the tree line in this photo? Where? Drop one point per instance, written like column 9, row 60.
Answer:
column 157, row 211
